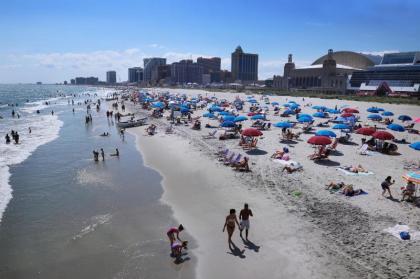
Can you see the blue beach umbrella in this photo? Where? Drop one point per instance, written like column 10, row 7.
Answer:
column 341, row 127
column 373, row 110
column 288, row 112
column 283, row 125
column 184, row 110
column 158, row 105
column 380, row 109
column 326, row 133
column 228, row 118
column 387, row 113
column 286, row 105
column 228, row 124
column 319, row 114
column 215, row 109
column 304, row 119
column 374, row 117
column 209, row 115
column 319, row 107
column 240, row 118
column 224, row 113
column 333, row 111
column 252, row 101
column 292, row 102
column 274, row 103
column 304, row 115
column 258, row 116
column 415, row 145
column 396, row 127
column 404, row 118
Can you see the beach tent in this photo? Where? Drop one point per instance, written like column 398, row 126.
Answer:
column 341, row 127
column 251, row 132
column 283, row 125
column 240, row 118
column 382, row 135
column 366, row 131
column 415, row 145
column 374, row 117
column 404, row 118
column 396, row 127
column 326, row 133
column 319, row 140
column 387, row 113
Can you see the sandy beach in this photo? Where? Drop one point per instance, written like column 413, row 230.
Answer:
column 311, row 235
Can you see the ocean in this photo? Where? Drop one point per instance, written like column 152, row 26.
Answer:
column 64, row 215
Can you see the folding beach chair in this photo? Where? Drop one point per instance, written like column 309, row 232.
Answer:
column 211, row 135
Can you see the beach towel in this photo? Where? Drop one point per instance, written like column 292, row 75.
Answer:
column 398, row 229
column 287, row 162
column 346, row 172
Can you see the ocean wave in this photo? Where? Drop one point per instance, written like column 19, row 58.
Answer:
column 94, row 222
column 44, row 128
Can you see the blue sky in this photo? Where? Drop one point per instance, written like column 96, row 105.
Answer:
column 56, row 40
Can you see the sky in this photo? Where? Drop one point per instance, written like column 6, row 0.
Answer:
column 56, row 40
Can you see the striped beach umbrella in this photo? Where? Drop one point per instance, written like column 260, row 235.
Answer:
column 413, row 177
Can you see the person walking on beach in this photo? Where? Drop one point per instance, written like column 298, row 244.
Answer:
column 173, row 233
column 244, row 220
column 386, row 186
column 103, row 154
column 230, row 225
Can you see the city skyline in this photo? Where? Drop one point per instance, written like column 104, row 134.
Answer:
column 54, row 42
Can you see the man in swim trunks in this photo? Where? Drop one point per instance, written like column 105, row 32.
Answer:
column 244, row 218
column 172, row 232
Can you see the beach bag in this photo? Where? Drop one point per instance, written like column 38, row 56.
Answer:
column 405, row 235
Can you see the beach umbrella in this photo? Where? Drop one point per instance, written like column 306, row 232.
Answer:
column 209, row 115
column 228, row 118
column 404, row 118
column 184, row 110
column 383, row 135
column 303, row 115
column 333, row 111
column 374, row 117
column 292, row 102
column 396, row 127
column 415, row 145
column 340, row 119
column 326, row 133
column 380, row 109
column 319, row 107
column 347, row 114
column 215, row 109
column 251, row 132
column 283, row 125
column 366, row 131
column 319, row 114
column 319, row 140
column 294, row 106
column 387, row 113
column 341, row 127
column 373, row 110
column 258, row 116
column 252, row 113
column 288, row 112
column 240, row 118
column 158, row 105
column 252, row 101
column 417, row 120
column 304, row 119
column 413, row 177
column 228, row 124
column 350, row 110
column 274, row 103
column 286, row 105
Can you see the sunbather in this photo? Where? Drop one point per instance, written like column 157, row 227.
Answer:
column 349, row 191
column 409, row 191
column 334, row 186
column 292, row 168
column 355, row 169
column 243, row 165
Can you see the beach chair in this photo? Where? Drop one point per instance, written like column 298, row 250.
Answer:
column 235, row 161
column 169, row 130
column 222, row 153
column 363, row 150
column 229, row 158
column 211, row 135
column 322, row 156
column 333, row 146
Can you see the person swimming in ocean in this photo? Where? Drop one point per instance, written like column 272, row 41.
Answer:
column 117, row 153
column 103, row 154
column 7, row 137
column 104, row 134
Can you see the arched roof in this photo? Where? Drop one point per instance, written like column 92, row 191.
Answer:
column 348, row 58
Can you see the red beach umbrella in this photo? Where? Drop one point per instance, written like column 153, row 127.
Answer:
column 383, row 135
column 347, row 114
column 319, row 140
column 366, row 131
column 350, row 110
column 251, row 132
column 251, row 114
column 417, row 120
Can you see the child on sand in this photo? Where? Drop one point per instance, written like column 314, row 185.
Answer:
column 173, row 233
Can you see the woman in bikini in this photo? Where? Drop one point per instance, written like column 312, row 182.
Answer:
column 230, row 224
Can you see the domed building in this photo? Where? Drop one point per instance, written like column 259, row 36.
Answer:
column 328, row 74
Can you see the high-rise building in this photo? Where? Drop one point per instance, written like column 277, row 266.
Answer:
column 210, row 65
column 149, row 64
column 244, row 66
column 86, row 80
column 73, row 81
column 186, row 71
column 161, row 72
column 135, row 74
column 111, row 77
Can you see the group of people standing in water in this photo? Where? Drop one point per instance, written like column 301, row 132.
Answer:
column 15, row 137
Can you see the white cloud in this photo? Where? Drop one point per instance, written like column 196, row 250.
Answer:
column 158, row 46
column 380, row 52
